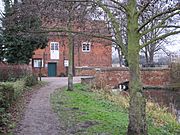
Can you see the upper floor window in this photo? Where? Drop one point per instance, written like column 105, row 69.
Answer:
column 86, row 47
column 54, row 46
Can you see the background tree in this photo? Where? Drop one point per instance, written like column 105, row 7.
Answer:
column 132, row 10
column 18, row 43
column 149, row 51
column 1, row 46
column 70, row 16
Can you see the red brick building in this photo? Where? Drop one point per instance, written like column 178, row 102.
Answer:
column 92, row 52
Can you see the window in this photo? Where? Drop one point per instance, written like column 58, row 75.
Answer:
column 37, row 63
column 54, row 46
column 86, row 47
column 54, row 50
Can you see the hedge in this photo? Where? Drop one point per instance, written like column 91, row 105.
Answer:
column 9, row 92
column 9, row 72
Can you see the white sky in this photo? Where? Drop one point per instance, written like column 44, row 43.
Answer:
column 174, row 43
column 1, row 4
column 173, row 46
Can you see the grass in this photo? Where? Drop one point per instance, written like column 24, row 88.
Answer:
column 93, row 113
column 80, row 107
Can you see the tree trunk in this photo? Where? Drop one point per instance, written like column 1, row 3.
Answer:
column 7, row 5
column 146, row 56
column 70, row 68
column 137, row 112
column 137, row 109
column 151, row 58
column 120, row 57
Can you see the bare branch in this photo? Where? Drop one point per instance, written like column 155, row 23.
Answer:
column 59, row 30
column 159, row 38
column 119, row 4
column 157, row 15
column 161, row 23
column 115, row 7
column 115, row 24
column 143, row 8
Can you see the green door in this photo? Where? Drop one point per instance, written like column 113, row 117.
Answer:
column 52, row 69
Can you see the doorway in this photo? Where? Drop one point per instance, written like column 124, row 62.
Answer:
column 52, row 69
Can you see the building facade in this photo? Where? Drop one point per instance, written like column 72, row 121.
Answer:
column 53, row 60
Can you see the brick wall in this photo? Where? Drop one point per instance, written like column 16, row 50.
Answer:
column 99, row 56
column 155, row 76
column 85, row 71
column 114, row 76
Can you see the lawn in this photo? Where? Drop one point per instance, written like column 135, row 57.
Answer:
column 85, row 112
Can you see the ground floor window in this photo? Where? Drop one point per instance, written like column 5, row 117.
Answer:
column 37, row 63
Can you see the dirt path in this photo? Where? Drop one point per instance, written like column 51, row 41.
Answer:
column 39, row 119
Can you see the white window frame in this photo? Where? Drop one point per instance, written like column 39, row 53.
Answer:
column 54, row 48
column 37, row 63
column 86, row 48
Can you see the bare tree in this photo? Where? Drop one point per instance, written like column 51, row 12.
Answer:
column 150, row 50
column 137, row 30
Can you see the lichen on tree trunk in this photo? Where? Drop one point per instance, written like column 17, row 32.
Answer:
column 137, row 113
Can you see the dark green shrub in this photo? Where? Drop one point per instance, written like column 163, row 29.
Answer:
column 6, row 98
column 6, row 95
column 9, row 92
column 19, row 87
column 4, row 118
column 31, row 80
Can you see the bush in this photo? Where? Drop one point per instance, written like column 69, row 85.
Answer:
column 6, row 98
column 31, row 80
column 9, row 91
column 12, row 90
column 6, row 95
column 4, row 118
column 175, row 73
column 13, row 72
column 19, row 87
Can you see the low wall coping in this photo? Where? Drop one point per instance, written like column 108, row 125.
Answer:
column 121, row 68
column 85, row 68
column 154, row 68
column 87, row 77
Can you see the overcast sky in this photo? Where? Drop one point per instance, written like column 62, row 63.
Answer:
column 173, row 46
column 1, row 5
column 175, row 40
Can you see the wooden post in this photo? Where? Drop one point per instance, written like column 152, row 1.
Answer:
column 40, row 70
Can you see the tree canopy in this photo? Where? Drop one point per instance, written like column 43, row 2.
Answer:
column 18, row 43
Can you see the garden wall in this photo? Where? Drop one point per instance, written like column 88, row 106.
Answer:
column 157, row 77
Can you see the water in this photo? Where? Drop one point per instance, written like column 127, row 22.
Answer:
column 168, row 98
